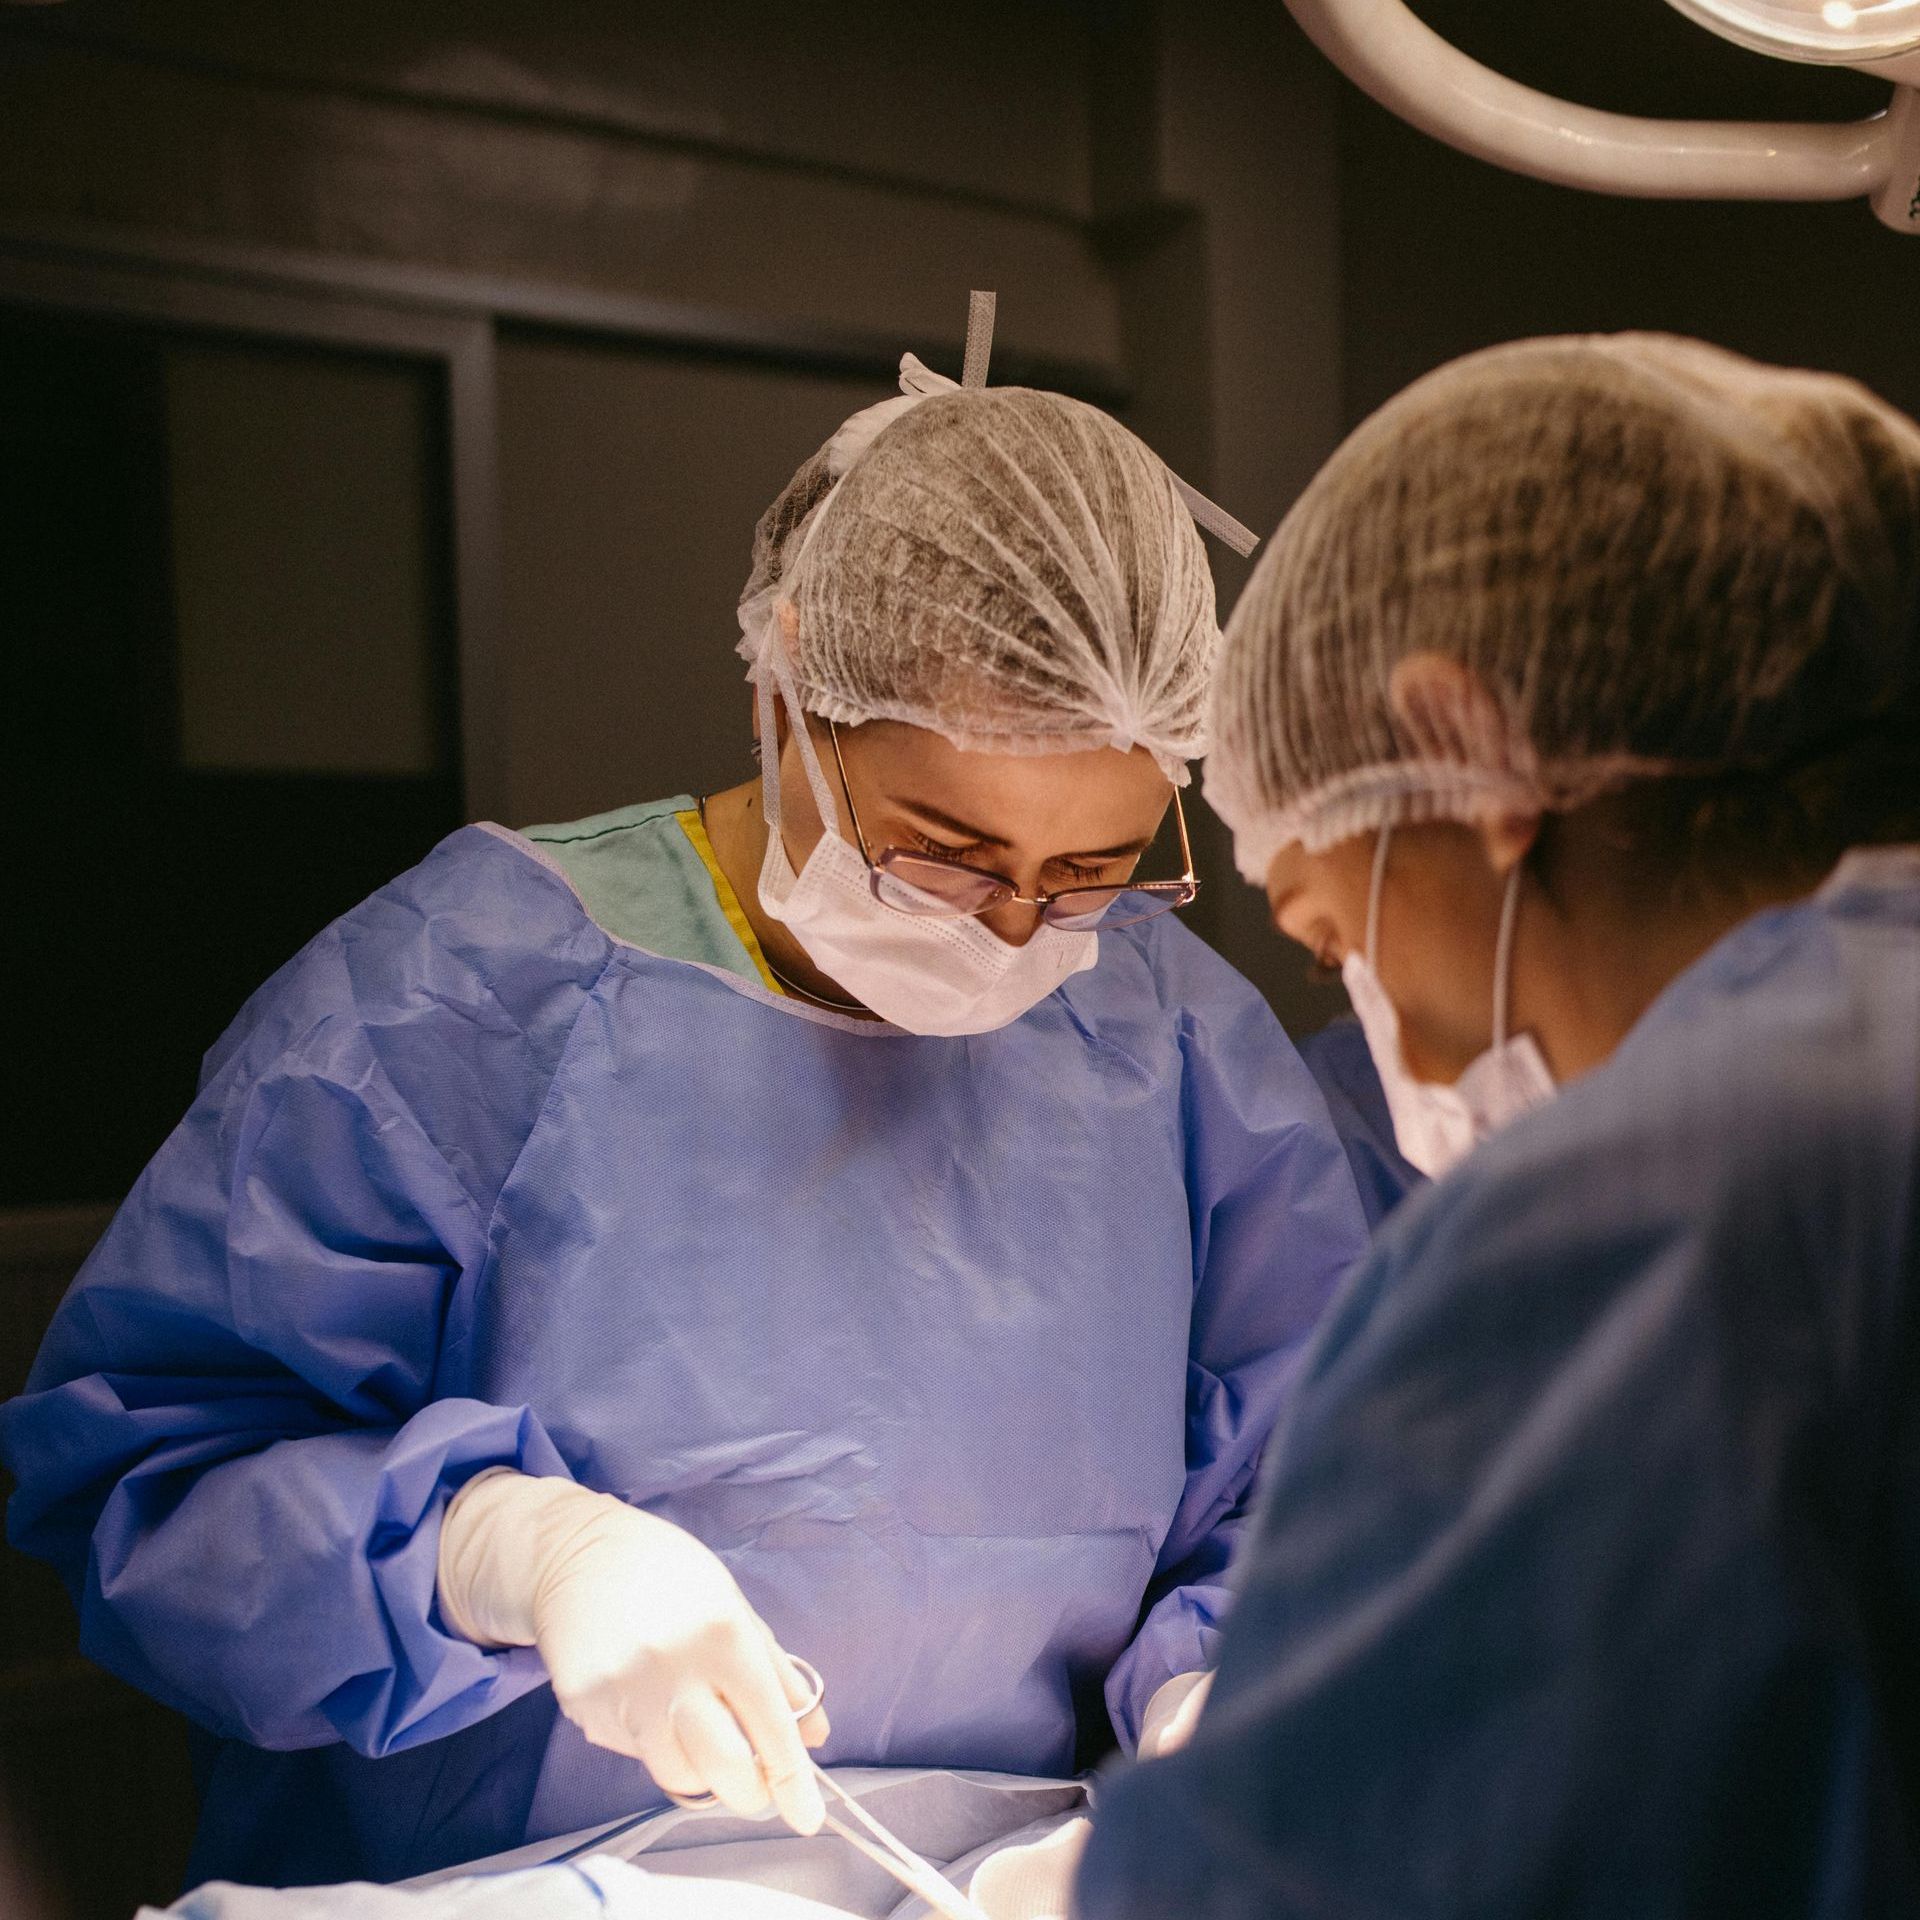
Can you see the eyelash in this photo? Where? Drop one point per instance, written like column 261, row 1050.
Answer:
column 926, row 845
column 1081, row 876
column 1322, row 968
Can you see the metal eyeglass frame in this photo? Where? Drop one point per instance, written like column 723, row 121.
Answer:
column 1163, row 891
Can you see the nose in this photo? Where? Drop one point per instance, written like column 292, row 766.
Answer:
column 1014, row 923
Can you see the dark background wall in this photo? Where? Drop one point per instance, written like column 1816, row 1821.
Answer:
column 1440, row 254
column 667, row 249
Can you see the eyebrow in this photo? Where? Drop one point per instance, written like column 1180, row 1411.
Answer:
column 961, row 829
column 1111, row 853
column 977, row 836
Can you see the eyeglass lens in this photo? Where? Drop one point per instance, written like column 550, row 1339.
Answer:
column 911, row 883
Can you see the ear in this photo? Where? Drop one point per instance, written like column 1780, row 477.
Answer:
column 779, row 720
column 1448, row 713
column 789, row 617
column 1507, row 838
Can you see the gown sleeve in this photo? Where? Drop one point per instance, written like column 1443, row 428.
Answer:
column 1277, row 1223
column 233, row 1445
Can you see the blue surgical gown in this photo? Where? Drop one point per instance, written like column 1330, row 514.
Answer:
column 1587, row 1578
column 1339, row 1059
column 959, row 1352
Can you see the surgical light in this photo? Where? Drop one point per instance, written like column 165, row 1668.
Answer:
column 1826, row 32
column 1390, row 53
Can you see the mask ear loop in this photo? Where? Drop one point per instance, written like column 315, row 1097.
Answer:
column 769, row 748
column 1503, row 957
column 782, row 665
column 777, row 667
column 1373, row 898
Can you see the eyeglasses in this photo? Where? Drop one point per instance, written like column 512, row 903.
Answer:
column 937, row 886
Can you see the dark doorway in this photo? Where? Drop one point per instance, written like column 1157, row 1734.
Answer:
column 228, row 694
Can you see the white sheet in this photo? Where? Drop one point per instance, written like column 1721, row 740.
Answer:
column 953, row 1820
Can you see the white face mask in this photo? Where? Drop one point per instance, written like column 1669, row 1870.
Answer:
column 931, row 976
column 1438, row 1125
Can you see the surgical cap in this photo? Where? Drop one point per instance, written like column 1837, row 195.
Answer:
column 1008, row 568
column 1655, row 557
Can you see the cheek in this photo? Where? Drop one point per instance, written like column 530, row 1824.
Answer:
column 1346, row 922
column 1444, row 1008
column 1430, row 1055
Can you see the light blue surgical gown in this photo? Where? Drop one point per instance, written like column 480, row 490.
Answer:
column 960, row 1352
column 1587, row 1578
column 1339, row 1059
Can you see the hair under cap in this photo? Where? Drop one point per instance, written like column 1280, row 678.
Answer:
column 1652, row 558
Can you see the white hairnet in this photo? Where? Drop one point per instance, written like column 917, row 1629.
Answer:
column 1657, row 558
column 1011, row 569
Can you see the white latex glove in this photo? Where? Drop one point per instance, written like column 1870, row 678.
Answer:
column 650, row 1644
column 1033, row 1882
column 1172, row 1714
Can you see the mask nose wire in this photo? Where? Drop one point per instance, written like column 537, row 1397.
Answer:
column 1503, row 957
column 1374, row 890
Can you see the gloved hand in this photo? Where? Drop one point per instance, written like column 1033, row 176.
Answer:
column 650, row 1644
column 1033, row 1882
column 1172, row 1713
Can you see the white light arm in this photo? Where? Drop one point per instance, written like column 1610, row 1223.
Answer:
column 1394, row 56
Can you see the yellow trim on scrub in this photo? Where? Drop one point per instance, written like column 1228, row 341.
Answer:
column 696, row 831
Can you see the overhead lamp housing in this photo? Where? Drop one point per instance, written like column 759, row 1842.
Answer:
column 1836, row 33
column 1386, row 49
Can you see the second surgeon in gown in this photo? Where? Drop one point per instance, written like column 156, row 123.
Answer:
column 1575, row 711
column 938, row 1349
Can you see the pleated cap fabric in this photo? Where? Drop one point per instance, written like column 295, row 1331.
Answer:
column 1010, row 568
column 1653, row 556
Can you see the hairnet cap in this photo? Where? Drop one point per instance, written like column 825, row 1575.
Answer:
column 1011, row 569
column 1649, row 556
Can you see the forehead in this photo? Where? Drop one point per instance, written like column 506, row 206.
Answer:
column 1328, row 878
column 1289, row 873
column 1085, row 797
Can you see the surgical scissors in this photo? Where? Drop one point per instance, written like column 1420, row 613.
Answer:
column 885, row 1849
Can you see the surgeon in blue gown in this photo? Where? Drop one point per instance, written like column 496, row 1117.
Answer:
column 1586, row 1578
column 846, row 1219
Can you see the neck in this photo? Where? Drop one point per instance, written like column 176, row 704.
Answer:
column 737, row 828
column 1594, row 958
